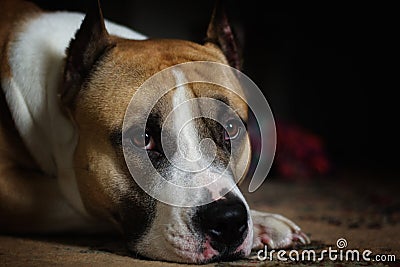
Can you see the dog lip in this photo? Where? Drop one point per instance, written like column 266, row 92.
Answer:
column 227, row 253
column 201, row 252
column 189, row 256
column 207, row 253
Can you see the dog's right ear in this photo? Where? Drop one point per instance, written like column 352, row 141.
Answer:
column 220, row 33
column 90, row 43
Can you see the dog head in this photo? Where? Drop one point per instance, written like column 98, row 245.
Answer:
column 102, row 74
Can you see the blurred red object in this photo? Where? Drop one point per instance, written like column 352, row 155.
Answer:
column 300, row 154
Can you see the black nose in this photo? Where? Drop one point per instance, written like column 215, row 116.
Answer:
column 225, row 222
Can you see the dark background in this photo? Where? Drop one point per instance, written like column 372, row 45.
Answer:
column 327, row 67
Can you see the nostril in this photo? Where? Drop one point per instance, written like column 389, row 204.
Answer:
column 214, row 233
column 224, row 221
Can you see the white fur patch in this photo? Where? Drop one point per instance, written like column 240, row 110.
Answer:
column 171, row 227
column 184, row 126
column 36, row 61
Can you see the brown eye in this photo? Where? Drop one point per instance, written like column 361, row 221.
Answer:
column 143, row 140
column 233, row 130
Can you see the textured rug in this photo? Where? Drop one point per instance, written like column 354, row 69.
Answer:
column 348, row 212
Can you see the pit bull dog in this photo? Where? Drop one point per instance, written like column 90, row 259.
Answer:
column 66, row 81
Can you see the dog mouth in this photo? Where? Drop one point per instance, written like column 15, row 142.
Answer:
column 204, row 253
column 204, row 258
column 200, row 248
column 219, row 231
column 189, row 250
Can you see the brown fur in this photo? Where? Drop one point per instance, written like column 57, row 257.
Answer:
column 101, row 74
column 13, row 13
column 101, row 105
column 110, row 78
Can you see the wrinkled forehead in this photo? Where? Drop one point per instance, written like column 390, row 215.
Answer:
column 200, row 100
column 142, row 74
column 177, row 91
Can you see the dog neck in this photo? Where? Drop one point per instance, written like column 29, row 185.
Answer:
column 36, row 58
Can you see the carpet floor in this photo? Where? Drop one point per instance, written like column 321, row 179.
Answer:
column 364, row 212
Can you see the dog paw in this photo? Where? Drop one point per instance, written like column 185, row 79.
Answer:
column 276, row 231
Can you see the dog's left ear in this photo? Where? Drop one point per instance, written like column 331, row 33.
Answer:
column 220, row 33
column 90, row 43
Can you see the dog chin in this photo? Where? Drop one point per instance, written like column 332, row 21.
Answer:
column 209, row 254
column 204, row 255
column 188, row 249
